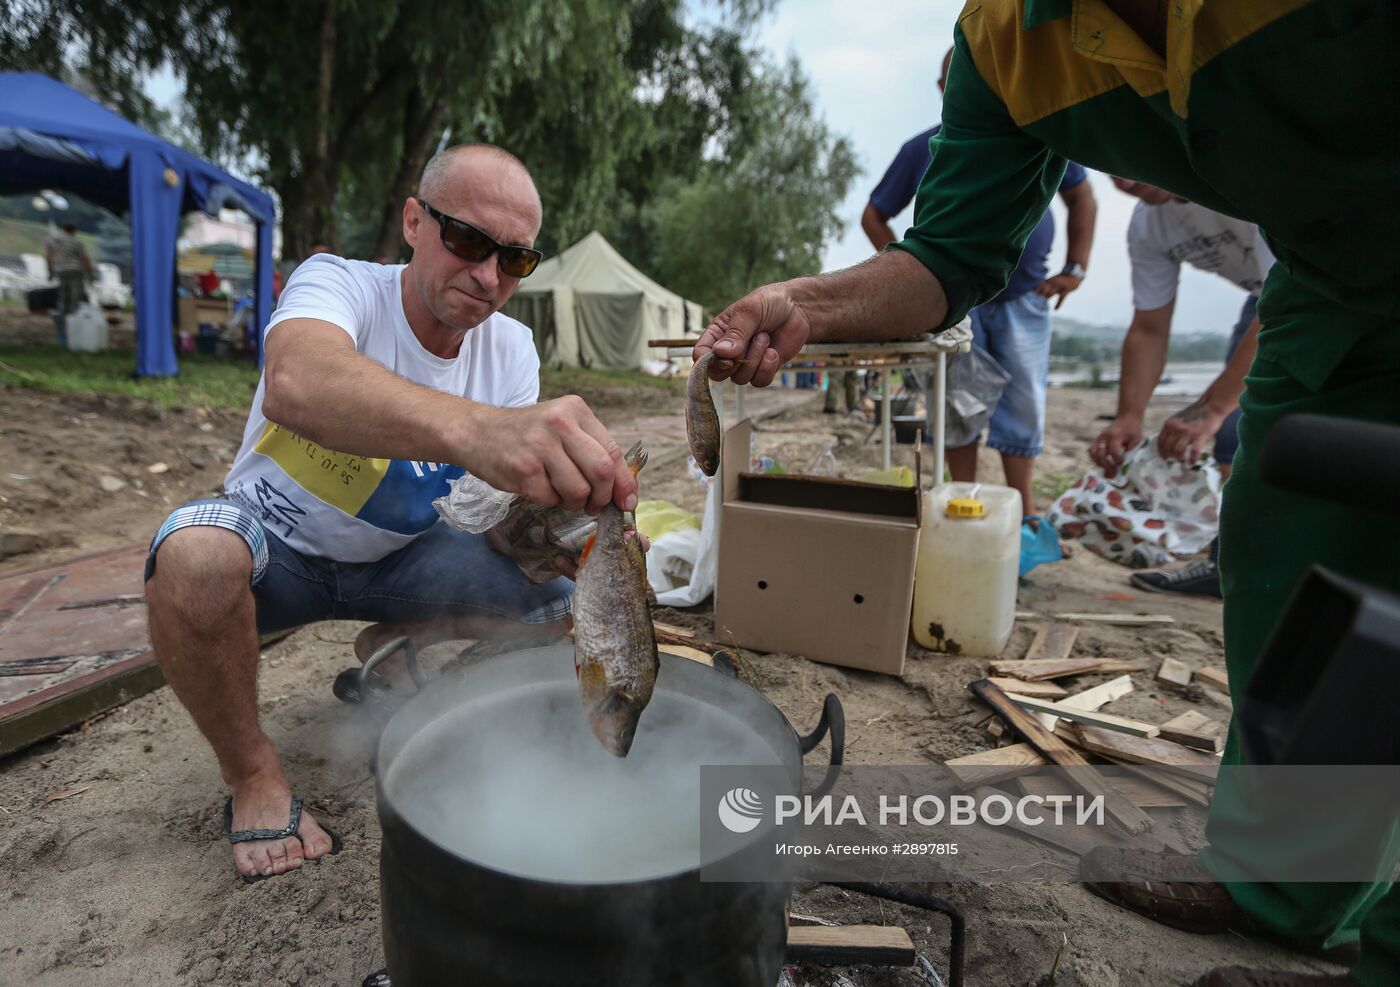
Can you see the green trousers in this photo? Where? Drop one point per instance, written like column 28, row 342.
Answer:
column 1268, row 541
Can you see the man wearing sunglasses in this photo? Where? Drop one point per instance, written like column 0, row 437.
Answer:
column 382, row 384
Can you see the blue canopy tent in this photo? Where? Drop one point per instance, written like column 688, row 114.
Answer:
column 54, row 137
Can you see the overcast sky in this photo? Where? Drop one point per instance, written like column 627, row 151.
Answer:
column 874, row 66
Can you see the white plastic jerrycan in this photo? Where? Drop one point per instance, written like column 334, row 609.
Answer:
column 965, row 578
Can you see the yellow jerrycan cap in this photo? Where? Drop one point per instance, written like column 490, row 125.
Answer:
column 967, row 507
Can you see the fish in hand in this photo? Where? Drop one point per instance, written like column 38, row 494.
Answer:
column 615, row 654
column 701, row 418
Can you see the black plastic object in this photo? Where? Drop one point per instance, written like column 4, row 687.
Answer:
column 1350, row 462
column 1326, row 689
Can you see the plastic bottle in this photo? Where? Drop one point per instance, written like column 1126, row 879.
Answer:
column 965, row 576
column 825, row 463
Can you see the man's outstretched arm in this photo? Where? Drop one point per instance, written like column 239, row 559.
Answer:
column 1144, row 356
column 1185, row 434
column 554, row 453
column 890, row 296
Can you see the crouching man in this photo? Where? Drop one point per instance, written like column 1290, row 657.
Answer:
column 382, row 383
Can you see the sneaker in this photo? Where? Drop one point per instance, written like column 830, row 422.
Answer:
column 1199, row 578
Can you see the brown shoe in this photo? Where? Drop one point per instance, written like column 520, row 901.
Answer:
column 1167, row 887
column 1238, row 976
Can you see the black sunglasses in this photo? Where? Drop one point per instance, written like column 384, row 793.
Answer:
column 464, row 240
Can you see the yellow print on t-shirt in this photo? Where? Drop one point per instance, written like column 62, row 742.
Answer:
column 341, row 480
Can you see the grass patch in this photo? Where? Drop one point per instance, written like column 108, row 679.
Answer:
column 202, row 381
column 209, row 382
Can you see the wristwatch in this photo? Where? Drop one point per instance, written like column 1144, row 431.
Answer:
column 1075, row 270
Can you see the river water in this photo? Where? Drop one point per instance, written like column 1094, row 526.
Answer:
column 1178, row 380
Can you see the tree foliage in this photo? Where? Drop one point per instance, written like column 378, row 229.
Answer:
column 707, row 164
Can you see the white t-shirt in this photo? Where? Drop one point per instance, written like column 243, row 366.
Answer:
column 349, row 508
column 1161, row 238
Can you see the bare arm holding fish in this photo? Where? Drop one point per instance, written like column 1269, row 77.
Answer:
column 890, row 296
column 553, row 453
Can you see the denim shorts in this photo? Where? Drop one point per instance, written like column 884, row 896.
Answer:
column 1227, row 440
column 440, row 573
column 1016, row 332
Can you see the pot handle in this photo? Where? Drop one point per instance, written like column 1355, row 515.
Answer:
column 833, row 721
column 357, row 683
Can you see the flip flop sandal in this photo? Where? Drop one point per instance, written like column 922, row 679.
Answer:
column 293, row 821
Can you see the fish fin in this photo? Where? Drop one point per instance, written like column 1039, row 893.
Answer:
column 636, row 458
column 587, row 547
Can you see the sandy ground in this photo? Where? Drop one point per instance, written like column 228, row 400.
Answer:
column 129, row 881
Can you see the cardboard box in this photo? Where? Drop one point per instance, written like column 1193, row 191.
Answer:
column 812, row 566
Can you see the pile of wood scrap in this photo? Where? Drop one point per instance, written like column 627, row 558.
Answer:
column 1041, row 723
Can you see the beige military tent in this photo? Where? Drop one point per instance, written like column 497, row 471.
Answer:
column 589, row 307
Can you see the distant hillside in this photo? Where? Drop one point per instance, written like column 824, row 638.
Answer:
column 1085, row 342
column 1064, row 326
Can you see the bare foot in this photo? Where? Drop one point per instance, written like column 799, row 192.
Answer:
column 265, row 805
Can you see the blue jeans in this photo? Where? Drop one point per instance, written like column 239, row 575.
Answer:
column 1016, row 332
column 1227, row 440
column 440, row 573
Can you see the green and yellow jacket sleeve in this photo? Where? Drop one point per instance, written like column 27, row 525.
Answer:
column 986, row 189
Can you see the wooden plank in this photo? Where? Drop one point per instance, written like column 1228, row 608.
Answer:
column 1193, row 721
column 1193, row 729
column 1174, row 672
column 1120, row 619
column 1071, row 839
column 1120, row 724
column 1036, row 671
column 1089, row 699
column 1128, row 816
column 847, row 945
column 45, row 713
column 694, row 654
column 1154, row 751
column 1039, row 689
column 1053, row 642
column 990, row 767
column 1215, row 675
column 673, row 630
column 1188, row 788
column 1139, row 791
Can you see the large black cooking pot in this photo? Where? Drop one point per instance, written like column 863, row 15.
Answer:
column 517, row 851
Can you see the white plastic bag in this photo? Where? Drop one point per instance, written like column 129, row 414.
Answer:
column 531, row 536
column 675, row 551
column 473, row 505
column 1153, row 512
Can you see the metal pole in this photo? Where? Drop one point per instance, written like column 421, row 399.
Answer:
column 940, row 383
column 885, row 428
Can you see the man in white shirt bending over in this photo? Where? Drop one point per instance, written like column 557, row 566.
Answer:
column 1166, row 231
column 382, row 383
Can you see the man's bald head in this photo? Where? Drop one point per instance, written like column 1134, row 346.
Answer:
column 439, row 172
column 485, row 187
